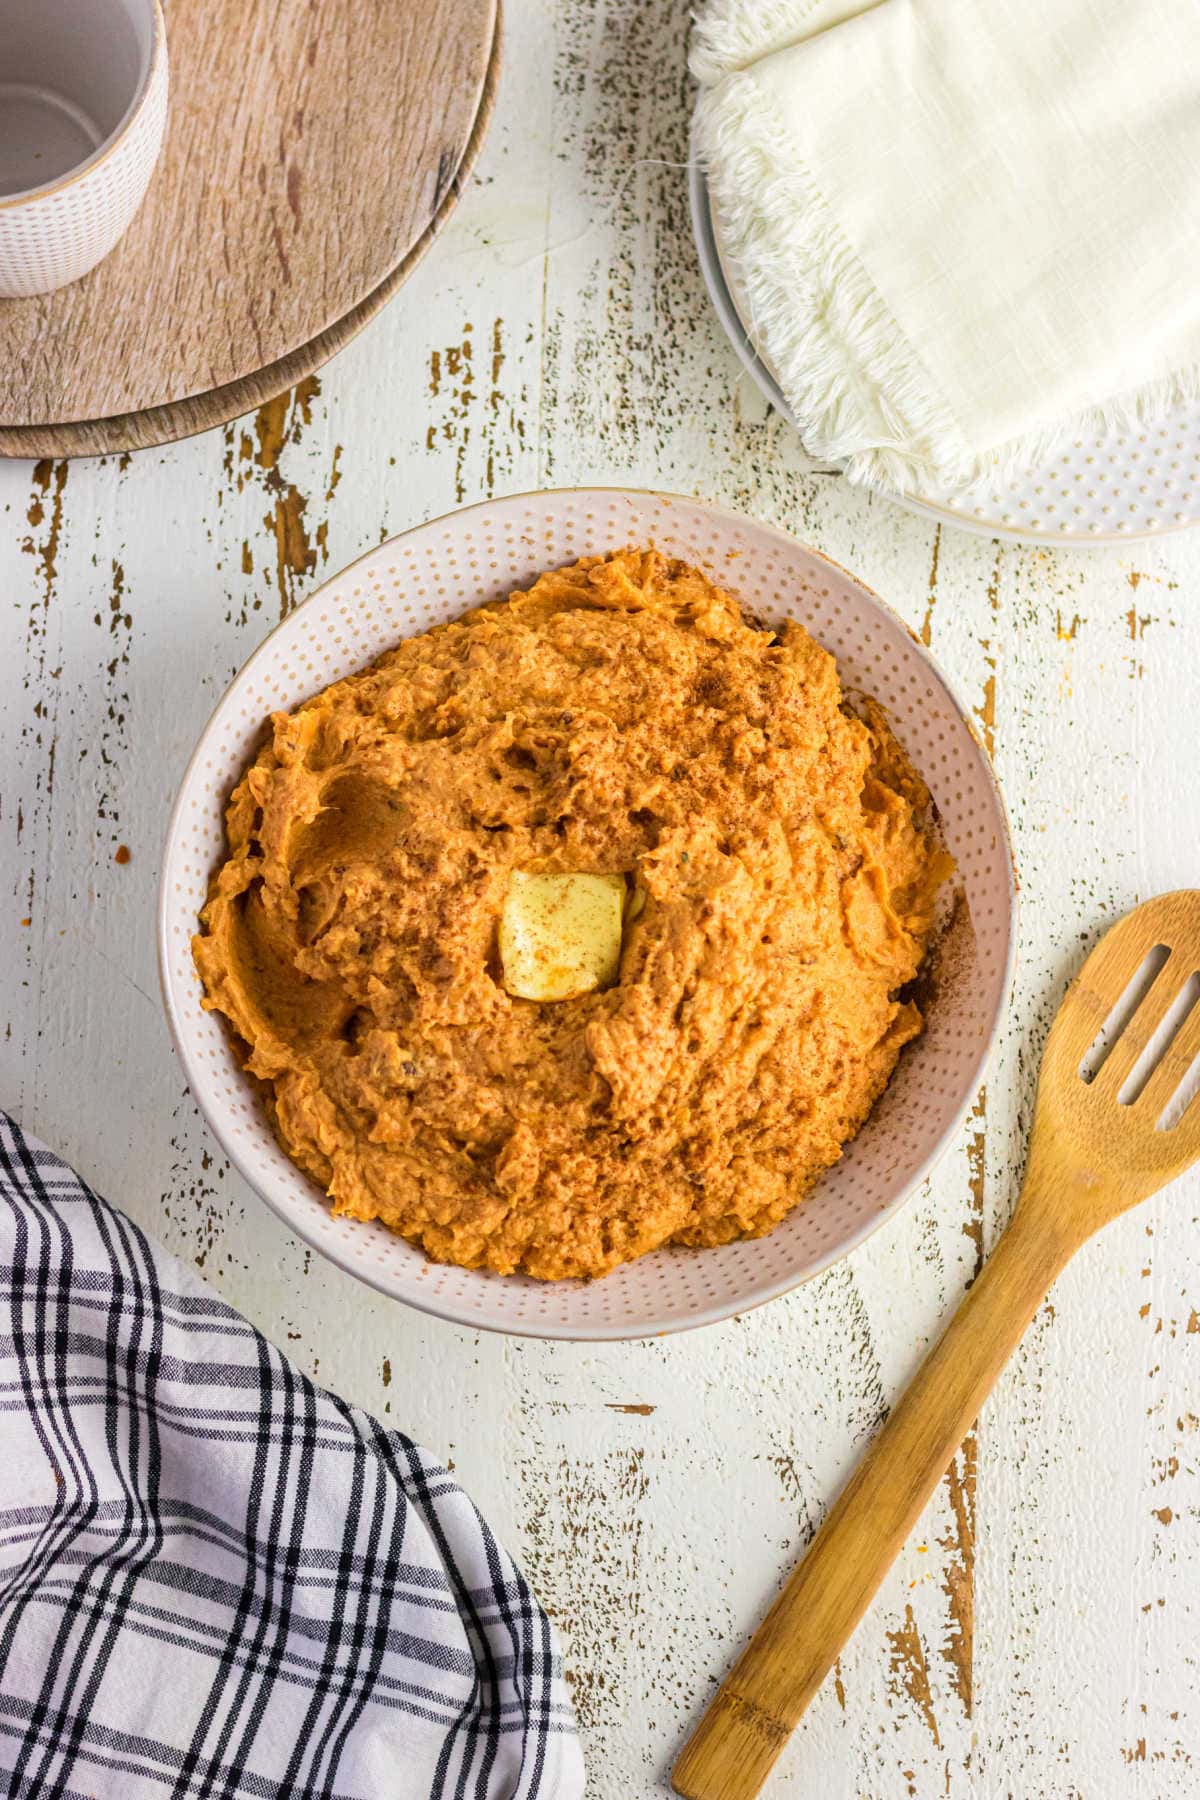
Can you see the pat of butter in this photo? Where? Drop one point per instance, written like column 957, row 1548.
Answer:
column 560, row 935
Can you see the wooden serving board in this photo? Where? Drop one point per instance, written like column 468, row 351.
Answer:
column 314, row 147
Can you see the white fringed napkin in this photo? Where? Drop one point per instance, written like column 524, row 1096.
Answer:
column 962, row 230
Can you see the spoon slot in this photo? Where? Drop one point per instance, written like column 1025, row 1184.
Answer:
column 1165, row 1078
column 1133, row 994
column 1159, row 1046
column 1177, row 1106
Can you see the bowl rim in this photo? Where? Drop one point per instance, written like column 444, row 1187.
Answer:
column 599, row 1331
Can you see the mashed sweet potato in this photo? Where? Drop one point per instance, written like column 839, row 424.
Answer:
column 619, row 717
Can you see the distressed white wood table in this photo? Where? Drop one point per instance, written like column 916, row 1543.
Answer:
column 1039, row 1637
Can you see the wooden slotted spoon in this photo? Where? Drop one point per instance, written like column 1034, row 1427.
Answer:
column 1096, row 1149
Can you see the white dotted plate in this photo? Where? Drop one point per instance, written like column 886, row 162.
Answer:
column 433, row 573
column 1103, row 490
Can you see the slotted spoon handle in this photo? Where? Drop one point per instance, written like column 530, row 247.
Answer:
column 759, row 1704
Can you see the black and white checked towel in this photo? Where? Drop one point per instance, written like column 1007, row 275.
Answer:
column 218, row 1581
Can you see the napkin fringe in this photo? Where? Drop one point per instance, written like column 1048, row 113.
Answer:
column 849, row 374
column 843, row 363
column 729, row 34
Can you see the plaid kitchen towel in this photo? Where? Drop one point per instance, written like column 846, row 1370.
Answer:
column 217, row 1580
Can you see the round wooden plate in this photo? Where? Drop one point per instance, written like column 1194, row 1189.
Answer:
column 314, row 149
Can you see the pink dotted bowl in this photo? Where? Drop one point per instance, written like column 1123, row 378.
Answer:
column 431, row 574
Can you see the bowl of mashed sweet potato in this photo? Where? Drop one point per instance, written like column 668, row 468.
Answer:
column 588, row 915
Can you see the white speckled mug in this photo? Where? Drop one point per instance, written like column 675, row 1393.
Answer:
column 83, row 106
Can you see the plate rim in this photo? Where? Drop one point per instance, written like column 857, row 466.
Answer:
column 598, row 1331
column 720, row 295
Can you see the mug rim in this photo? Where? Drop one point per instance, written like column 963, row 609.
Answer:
column 115, row 137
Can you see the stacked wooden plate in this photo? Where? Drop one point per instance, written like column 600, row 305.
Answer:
column 313, row 150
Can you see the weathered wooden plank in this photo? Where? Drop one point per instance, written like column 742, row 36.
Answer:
column 559, row 333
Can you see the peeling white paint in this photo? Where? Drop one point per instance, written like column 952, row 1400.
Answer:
column 656, row 1534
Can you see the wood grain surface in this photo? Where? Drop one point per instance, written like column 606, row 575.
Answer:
column 169, row 424
column 311, row 145
column 1038, row 1636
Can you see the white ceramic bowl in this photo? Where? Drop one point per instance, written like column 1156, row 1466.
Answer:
column 433, row 573
column 83, row 108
